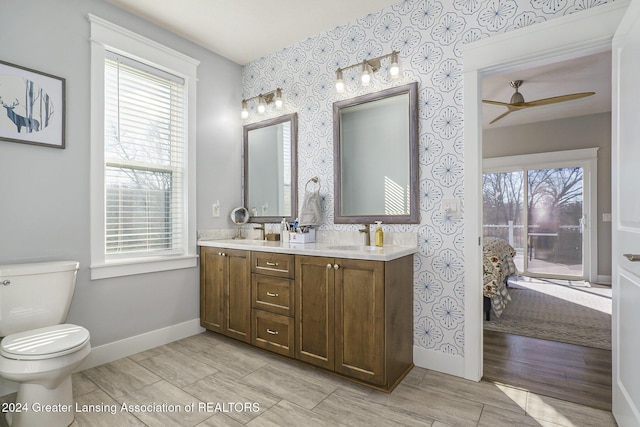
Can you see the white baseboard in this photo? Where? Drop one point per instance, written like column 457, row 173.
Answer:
column 438, row 361
column 116, row 350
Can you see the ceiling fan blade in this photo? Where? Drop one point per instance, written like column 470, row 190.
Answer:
column 500, row 116
column 555, row 99
column 502, row 104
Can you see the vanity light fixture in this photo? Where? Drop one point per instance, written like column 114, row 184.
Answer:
column 264, row 99
column 370, row 66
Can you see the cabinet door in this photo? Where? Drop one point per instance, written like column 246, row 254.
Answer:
column 359, row 332
column 213, row 271
column 314, row 308
column 238, row 295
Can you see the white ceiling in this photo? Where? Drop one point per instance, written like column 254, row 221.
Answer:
column 586, row 74
column 246, row 30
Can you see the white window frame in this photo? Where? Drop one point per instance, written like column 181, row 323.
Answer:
column 107, row 36
column 587, row 158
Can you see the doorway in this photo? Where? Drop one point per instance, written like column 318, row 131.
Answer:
column 558, row 39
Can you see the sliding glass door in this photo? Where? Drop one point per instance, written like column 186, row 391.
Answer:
column 555, row 222
column 541, row 213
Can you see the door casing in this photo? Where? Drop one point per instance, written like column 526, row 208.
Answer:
column 559, row 39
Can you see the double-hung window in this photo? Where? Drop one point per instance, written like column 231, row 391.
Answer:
column 142, row 144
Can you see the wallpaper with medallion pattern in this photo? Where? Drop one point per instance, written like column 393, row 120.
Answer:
column 428, row 34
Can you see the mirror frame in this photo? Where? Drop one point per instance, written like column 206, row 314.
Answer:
column 414, row 198
column 293, row 118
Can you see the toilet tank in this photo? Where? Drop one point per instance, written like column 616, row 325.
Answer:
column 35, row 295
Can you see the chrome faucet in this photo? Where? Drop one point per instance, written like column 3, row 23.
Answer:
column 367, row 234
column 261, row 228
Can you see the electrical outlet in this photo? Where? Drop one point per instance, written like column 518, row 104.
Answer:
column 215, row 209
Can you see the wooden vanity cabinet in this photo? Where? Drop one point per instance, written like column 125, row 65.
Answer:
column 355, row 317
column 225, row 292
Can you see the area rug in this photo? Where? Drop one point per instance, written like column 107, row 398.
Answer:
column 576, row 313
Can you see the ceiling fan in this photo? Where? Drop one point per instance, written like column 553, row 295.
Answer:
column 517, row 100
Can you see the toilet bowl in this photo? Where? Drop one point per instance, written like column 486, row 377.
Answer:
column 38, row 351
column 42, row 361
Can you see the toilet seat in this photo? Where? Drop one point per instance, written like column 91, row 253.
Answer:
column 44, row 343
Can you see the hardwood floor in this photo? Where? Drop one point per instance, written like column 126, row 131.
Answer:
column 565, row 371
column 212, row 380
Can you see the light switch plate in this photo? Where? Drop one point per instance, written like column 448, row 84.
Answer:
column 215, row 209
column 451, row 207
column 606, row 217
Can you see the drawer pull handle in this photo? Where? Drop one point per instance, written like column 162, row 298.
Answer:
column 272, row 264
column 272, row 332
column 632, row 257
column 270, row 294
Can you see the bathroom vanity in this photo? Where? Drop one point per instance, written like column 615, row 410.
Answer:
column 346, row 309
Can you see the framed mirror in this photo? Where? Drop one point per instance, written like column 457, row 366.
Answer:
column 375, row 157
column 270, row 169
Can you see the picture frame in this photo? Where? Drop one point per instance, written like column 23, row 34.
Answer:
column 32, row 106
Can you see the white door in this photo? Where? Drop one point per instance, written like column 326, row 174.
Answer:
column 626, row 219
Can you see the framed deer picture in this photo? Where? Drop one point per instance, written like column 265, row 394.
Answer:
column 32, row 106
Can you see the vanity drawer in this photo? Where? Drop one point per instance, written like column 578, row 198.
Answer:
column 272, row 294
column 271, row 264
column 272, row 332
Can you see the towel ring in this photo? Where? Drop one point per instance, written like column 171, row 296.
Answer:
column 315, row 179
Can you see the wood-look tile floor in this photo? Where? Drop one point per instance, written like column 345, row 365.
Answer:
column 232, row 384
column 566, row 371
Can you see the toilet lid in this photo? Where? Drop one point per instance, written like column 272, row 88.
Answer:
column 44, row 343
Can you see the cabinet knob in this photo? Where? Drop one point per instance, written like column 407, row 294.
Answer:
column 328, row 266
column 271, row 294
column 336, row 266
column 272, row 332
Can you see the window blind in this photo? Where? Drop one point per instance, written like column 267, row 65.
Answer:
column 144, row 145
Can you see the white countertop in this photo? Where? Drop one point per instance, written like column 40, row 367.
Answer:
column 385, row 253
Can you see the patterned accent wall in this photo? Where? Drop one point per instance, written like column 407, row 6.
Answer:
column 428, row 34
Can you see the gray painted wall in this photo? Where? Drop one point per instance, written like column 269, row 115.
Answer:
column 44, row 192
column 567, row 134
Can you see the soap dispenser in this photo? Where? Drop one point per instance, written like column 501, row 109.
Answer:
column 379, row 234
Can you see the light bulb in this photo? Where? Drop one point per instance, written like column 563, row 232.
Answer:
column 278, row 100
column 365, row 78
column 339, row 81
column 244, row 113
column 394, row 68
column 262, row 105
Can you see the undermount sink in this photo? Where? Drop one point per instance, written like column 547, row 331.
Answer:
column 354, row 248
column 250, row 242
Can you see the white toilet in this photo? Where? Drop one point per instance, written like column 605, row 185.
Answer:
column 38, row 351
